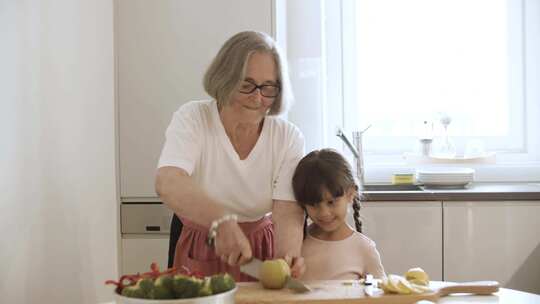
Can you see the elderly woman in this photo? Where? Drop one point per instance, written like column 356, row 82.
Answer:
column 227, row 163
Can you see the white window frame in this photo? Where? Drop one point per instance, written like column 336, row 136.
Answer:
column 517, row 165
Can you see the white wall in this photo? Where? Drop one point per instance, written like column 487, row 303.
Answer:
column 58, row 200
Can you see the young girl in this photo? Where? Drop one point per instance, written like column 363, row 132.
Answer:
column 324, row 185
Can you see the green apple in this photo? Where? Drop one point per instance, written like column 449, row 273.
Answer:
column 274, row 273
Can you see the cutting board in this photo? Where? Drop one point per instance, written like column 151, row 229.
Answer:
column 331, row 292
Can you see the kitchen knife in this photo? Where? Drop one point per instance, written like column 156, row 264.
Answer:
column 253, row 267
column 296, row 285
column 368, row 285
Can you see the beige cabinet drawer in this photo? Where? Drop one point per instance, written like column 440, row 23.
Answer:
column 145, row 218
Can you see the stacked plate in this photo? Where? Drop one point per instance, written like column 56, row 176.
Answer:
column 445, row 177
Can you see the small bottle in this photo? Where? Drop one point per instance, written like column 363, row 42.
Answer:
column 426, row 138
column 426, row 146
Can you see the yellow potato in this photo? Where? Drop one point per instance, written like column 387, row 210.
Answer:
column 274, row 273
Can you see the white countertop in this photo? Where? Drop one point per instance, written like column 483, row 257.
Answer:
column 503, row 296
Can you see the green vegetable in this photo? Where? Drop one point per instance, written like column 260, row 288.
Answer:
column 146, row 286
column 132, row 292
column 222, row 283
column 179, row 286
column 206, row 288
column 185, row 286
column 163, row 288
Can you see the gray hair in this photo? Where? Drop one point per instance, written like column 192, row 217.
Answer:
column 228, row 69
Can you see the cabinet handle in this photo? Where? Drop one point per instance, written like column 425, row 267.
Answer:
column 153, row 228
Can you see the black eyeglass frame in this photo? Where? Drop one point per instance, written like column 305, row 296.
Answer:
column 260, row 87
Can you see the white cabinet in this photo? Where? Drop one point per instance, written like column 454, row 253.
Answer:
column 408, row 234
column 163, row 49
column 141, row 250
column 493, row 241
column 145, row 236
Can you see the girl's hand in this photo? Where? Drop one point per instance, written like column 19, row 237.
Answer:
column 297, row 265
column 231, row 244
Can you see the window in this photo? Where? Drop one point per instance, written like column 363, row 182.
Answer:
column 414, row 61
column 399, row 66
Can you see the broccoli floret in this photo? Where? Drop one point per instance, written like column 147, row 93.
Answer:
column 163, row 288
column 206, row 288
column 146, row 286
column 222, row 283
column 132, row 292
column 185, row 286
column 164, row 280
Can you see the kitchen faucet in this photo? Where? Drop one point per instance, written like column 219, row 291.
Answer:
column 356, row 151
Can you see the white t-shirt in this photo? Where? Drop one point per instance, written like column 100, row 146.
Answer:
column 351, row 258
column 196, row 142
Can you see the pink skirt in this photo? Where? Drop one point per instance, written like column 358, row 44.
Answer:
column 193, row 252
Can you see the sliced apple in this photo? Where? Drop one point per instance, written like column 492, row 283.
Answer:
column 398, row 284
column 417, row 276
column 403, row 286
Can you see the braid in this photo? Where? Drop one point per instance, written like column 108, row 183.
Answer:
column 305, row 226
column 356, row 208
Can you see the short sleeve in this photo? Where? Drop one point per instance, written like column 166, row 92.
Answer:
column 283, row 180
column 182, row 146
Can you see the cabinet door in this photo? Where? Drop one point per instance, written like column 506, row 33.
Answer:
column 141, row 250
column 163, row 49
column 408, row 234
column 493, row 241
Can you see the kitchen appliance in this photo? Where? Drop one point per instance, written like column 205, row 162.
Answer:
column 145, row 231
column 253, row 267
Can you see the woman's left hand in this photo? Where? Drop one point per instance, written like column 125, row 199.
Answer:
column 297, row 265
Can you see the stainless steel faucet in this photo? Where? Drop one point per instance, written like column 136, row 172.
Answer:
column 356, row 150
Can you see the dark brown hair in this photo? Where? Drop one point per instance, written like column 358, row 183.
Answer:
column 325, row 170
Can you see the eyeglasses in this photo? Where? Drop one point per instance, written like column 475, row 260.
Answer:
column 267, row 90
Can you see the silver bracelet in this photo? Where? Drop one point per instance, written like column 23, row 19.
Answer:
column 212, row 233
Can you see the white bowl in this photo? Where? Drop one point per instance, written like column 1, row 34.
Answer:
column 220, row 298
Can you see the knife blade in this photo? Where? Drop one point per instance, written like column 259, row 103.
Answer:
column 252, row 268
column 297, row 285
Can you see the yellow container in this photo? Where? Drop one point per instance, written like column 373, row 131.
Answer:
column 403, row 179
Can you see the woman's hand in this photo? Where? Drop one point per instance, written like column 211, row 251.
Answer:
column 232, row 246
column 288, row 218
column 297, row 265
